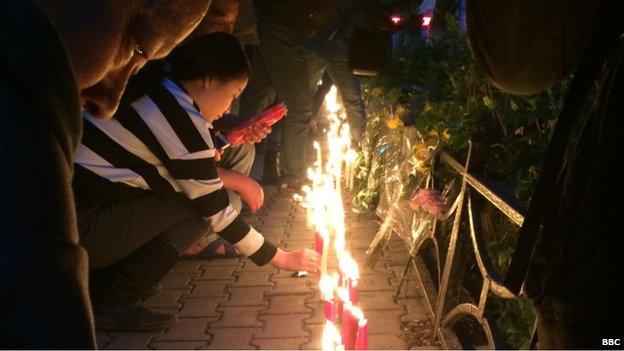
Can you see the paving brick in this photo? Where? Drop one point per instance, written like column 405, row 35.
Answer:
column 188, row 329
column 177, row 281
column 371, row 301
column 216, row 273
column 131, row 340
column 248, row 296
column 249, row 266
column 282, row 326
column 178, row 345
column 310, row 278
column 272, row 228
column 357, row 244
column 208, row 288
column 416, row 309
column 318, row 313
column 166, row 299
column 251, row 279
column 377, row 271
column 188, row 266
column 289, row 286
column 227, row 262
column 206, row 307
column 383, row 322
column 362, row 225
column 316, row 332
column 275, row 215
column 297, row 224
column 375, row 283
column 287, row 304
column 385, row 342
column 280, row 343
column 280, row 205
column 231, row 338
column 299, row 232
column 396, row 260
column 238, row 317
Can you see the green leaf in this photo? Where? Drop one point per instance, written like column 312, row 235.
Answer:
column 488, row 102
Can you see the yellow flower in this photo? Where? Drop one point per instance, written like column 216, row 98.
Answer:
column 394, row 123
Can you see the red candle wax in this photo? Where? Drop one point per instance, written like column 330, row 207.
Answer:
column 330, row 310
column 318, row 243
column 354, row 292
column 361, row 343
column 349, row 328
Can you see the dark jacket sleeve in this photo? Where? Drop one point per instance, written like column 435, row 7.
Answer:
column 44, row 300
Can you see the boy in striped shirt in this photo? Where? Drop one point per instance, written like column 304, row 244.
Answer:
column 147, row 186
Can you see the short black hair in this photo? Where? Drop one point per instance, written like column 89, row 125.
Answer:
column 216, row 55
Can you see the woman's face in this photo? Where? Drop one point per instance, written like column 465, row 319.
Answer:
column 216, row 98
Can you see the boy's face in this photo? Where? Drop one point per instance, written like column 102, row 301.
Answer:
column 216, row 98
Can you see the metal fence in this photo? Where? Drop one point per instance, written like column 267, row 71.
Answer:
column 465, row 239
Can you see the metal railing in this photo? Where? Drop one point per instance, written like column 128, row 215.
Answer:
column 465, row 239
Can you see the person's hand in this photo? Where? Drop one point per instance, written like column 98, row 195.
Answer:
column 298, row 260
column 431, row 201
column 218, row 153
column 255, row 133
column 251, row 192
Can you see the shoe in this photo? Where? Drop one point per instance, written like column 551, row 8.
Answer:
column 122, row 286
column 210, row 251
column 131, row 317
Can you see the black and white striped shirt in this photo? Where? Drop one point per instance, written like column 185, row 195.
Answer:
column 162, row 143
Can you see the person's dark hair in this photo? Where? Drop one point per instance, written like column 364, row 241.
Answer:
column 216, row 55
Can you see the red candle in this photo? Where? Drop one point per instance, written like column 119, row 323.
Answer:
column 349, row 327
column 361, row 343
column 354, row 293
column 342, row 298
column 318, row 243
column 330, row 310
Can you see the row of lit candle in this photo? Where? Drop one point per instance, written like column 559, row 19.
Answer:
column 325, row 214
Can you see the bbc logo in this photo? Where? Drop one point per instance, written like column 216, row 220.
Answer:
column 611, row 342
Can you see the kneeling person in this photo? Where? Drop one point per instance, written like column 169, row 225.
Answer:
column 147, row 186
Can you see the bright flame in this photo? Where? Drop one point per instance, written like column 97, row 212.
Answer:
column 327, row 285
column 331, row 337
column 355, row 311
column 343, row 294
column 348, row 266
column 331, row 100
column 322, row 200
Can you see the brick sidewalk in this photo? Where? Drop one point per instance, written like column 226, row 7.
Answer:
column 234, row 304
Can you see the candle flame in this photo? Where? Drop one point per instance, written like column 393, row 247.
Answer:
column 327, row 285
column 322, row 200
column 343, row 294
column 331, row 337
column 349, row 266
column 355, row 311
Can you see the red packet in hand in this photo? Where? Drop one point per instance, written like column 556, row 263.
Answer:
column 266, row 118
